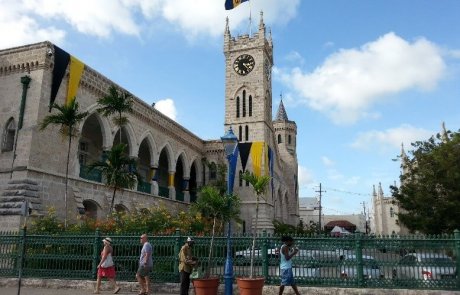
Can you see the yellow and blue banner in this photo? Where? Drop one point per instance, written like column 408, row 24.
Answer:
column 230, row 4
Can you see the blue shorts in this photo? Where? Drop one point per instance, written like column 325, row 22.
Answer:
column 287, row 277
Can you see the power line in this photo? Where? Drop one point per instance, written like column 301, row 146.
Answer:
column 348, row 192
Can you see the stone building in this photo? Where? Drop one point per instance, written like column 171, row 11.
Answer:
column 385, row 219
column 173, row 162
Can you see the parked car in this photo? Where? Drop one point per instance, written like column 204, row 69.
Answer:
column 304, row 267
column 246, row 253
column 349, row 267
column 426, row 266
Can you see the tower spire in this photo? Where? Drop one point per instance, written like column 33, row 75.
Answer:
column 444, row 136
column 281, row 114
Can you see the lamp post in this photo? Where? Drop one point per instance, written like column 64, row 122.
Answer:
column 230, row 142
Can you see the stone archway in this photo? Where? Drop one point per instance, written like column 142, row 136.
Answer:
column 162, row 175
column 92, row 209
column 90, row 147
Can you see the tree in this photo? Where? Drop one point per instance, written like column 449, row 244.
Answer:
column 116, row 103
column 118, row 170
column 68, row 116
column 259, row 185
column 213, row 204
column 429, row 195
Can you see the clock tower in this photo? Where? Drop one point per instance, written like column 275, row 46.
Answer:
column 248, row 110
column 248, row 92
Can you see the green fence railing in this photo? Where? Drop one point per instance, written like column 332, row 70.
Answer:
column 144, row 187
column 93, row 175
column 358, row 261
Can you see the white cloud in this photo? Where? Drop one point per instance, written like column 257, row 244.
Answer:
column 103, row 18
column 305, row 176
column 327, row 162
column 390, row 138
column 18, row 29
column 294, row 57
column 350, row 81
column 167, row 107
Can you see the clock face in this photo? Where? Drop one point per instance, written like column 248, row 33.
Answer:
column 244, row 64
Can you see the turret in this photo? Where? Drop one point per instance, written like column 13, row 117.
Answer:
column 285, row 130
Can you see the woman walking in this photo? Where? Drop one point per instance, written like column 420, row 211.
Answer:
column 106, row 267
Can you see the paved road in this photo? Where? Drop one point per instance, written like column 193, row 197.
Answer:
column 38, row 291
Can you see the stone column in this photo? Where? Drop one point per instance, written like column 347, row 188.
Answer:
column 185, row 189
column 154, row 179
column 172, row 189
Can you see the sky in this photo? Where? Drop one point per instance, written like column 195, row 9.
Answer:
column 359, row 77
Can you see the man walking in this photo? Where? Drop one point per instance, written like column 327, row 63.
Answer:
column 287, row 252
column 145, row 266
column 186, row 263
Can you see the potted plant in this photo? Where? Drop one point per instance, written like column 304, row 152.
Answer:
column 251, row 285
column 218, row 207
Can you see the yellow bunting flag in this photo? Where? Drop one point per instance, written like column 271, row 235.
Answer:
column 76, row 71
column 257, row 156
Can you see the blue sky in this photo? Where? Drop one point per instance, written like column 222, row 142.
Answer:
column 358, row 77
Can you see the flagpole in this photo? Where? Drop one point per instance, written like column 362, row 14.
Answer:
column 250, row 19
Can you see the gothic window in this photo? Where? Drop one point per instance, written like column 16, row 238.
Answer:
column 212, row 171
column 240, row 133
column 8, row 136
column 240, row 179
column 392, row 213
column 246, row 129
column 250, row 106
column 279, row 138
column 289, row 139
column 237, row 106
column 244, row 103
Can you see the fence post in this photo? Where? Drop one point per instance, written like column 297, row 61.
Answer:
column 264, row 255
column 21, row 256
column 96, row 243
column 457, row 253
column 177, row 245
column 359, row 258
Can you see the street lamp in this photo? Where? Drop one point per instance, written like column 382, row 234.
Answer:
column 230, row 142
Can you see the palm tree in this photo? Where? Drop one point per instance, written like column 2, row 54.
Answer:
column 259, row 184
column 213, row 204
column 118, row 170
column 116, row 103
column 68, row 116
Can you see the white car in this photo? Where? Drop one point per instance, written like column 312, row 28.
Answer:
column 349, row 267
column 425, row 266
column 271, row 253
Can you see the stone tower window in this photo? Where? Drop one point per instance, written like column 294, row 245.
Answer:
column 244, row 103
column 8, row 136
column 279, row 138
column 250, row 105
column 246, row 129
column 237, row 106
column 289, row 139
column 240, row 179
column 212, row 171
column 392, row 212
column 240, row 133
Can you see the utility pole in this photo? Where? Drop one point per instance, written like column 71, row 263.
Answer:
column 320, row 207
column 365, row 217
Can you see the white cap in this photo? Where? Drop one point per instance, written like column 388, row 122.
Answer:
column 108, row 240
column 189, row 239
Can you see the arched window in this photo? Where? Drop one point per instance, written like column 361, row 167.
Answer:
column 246, row 129
column 212, row 171
column 289, row 139
column 392, row 213
column 240, row 133
column 244, row 103
column 237, row 106
column 250, row 105
column 279, row 138
column 8, row 136
column 240, row 179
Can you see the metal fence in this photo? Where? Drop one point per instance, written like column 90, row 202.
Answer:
column 414, row 262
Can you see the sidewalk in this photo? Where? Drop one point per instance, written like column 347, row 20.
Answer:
column 39, row 291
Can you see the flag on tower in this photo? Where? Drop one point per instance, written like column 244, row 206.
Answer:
column 230, row 4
